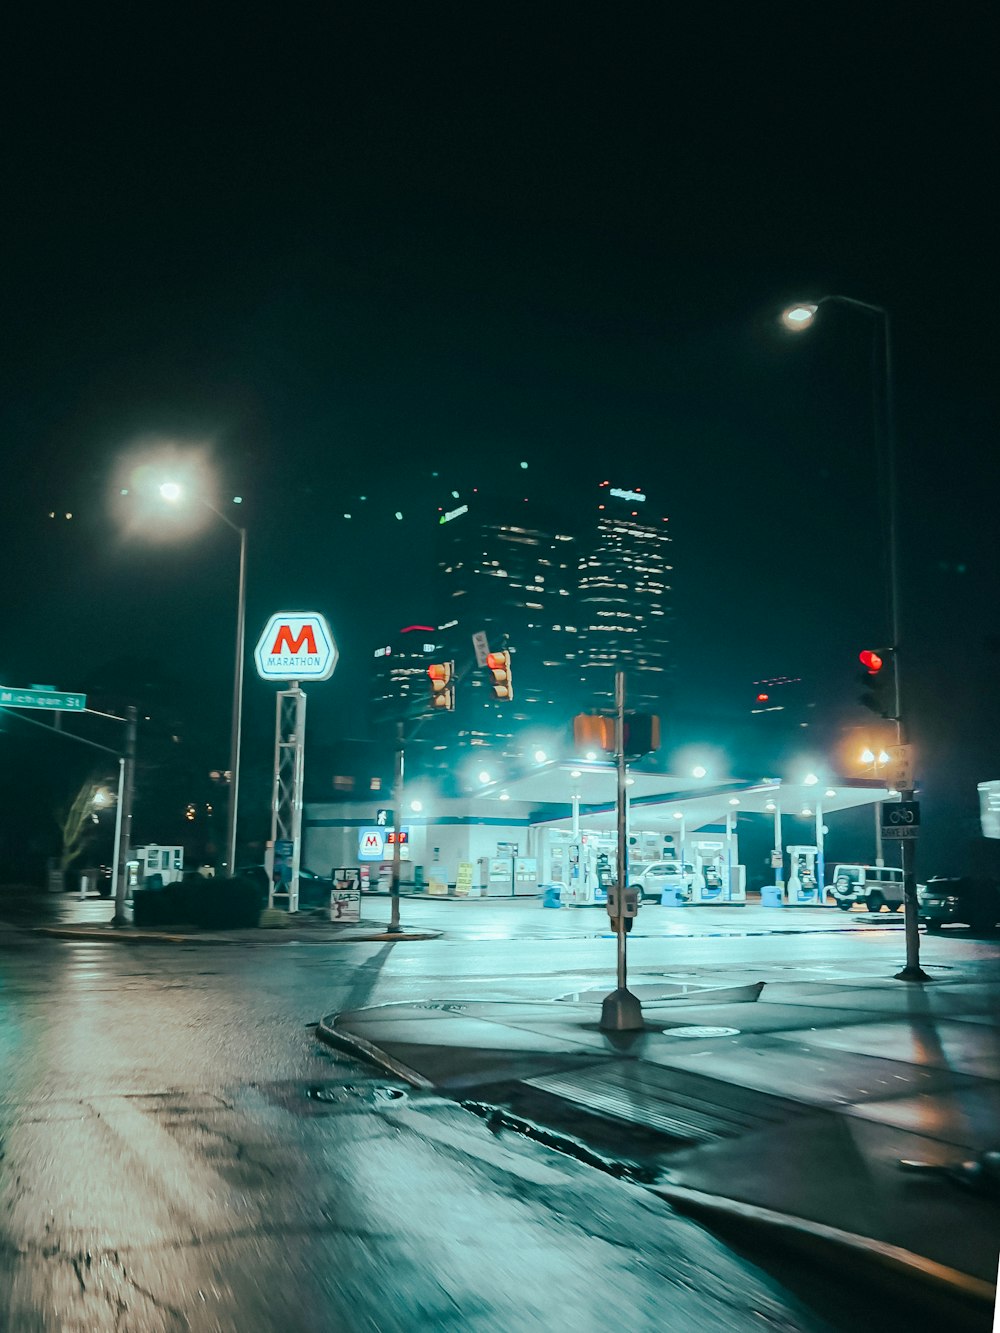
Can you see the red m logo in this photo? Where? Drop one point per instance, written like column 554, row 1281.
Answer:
column 306, row 637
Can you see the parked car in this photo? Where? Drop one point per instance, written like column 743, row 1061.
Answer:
column 874, row 886
column 970, row 902
column 660, row 875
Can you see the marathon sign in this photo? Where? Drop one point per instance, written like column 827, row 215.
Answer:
column 296, row 645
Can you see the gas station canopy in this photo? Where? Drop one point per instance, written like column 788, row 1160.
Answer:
column 663, row 800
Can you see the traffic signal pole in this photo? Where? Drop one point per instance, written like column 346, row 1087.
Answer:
column 621, row 1010
column 123, row 827
column 397, row 797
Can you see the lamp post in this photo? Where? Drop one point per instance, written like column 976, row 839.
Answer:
column 797, row 318
column 171, row 491
column 875, row 762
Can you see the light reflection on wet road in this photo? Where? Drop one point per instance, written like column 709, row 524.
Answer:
column 165, row 1167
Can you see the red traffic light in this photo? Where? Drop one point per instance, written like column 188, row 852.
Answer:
column 872, row 663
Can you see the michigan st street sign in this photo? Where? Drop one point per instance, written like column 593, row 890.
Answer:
column 296, row 645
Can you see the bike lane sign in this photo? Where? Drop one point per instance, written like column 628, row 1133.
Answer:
column 901, row 819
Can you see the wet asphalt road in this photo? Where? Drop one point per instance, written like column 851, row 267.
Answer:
column 180, row 1153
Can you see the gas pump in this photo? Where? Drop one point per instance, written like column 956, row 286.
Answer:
column 802, row 890
column 711, row 872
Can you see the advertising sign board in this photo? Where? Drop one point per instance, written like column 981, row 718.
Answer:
column 296, row 645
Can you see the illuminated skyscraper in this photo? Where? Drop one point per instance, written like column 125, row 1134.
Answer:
column 510, row 571
column 399, row 685
column 624, row 590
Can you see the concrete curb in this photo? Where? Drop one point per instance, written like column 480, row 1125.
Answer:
column 962, row 1300
column 129, row 935
column 328, row 1032
column 968, row 1299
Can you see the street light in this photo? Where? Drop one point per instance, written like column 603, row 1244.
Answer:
column 876, row 761
column 797, row 318
column 172, row 492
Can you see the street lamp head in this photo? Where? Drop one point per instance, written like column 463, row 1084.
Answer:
column 540, row 756
column 171, row 491
column 810, row 780
column 798, row 317
column 699, row 772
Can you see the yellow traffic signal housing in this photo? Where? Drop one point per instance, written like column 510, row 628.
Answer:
column 499, row 667
column 442, row 675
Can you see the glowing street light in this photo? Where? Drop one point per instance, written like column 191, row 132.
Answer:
column 799, row 317
column 484, row 776
column 700, row 771
column 540, row 756
column 810, row 780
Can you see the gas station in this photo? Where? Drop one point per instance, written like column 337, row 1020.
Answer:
column 553, row 830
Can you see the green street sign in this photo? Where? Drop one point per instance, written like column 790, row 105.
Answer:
column 54, row 699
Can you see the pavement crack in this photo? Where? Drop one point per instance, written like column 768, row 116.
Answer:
column 79, row 1275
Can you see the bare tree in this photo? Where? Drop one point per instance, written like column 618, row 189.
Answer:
column 79, row 823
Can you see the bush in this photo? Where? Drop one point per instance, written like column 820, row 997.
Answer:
column 147, row 908
column 214, row 904
column 229, row 904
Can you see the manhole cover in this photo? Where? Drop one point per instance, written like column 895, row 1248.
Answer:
column 357, row 1094
column 701, row 1032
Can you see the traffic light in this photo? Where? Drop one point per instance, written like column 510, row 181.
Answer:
column 499, row 666
column 642, row 734
column 442, row 675
column 592, row 731
column 878, row 680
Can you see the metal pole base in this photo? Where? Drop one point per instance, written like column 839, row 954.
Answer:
column 912, row 974
column 621, row 1012
column 122, row 920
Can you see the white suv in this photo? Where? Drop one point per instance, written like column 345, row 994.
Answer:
column 660, row 875
column 875, row 886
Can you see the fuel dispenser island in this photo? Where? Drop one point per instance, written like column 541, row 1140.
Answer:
column 718, row 878
column 802, row 889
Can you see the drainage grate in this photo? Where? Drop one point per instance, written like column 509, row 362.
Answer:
column 357, row 1095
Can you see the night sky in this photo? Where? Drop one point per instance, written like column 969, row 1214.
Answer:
column 338, row 248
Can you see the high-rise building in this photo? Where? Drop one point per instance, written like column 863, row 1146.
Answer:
column 625, row 576
column 399, row 685
column 509, row 570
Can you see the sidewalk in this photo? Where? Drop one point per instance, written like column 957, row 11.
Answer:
column 89, row 919
column 781, row 1108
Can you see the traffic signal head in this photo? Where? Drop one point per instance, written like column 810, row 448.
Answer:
column 441, row 675
column 499, row 668
column 877, row 680
column 593, row 732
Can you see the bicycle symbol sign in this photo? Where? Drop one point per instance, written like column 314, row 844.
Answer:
column 901, row 820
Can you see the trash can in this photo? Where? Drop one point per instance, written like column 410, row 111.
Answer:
column 771, row 896
column 551, row 895
column 671, row 898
